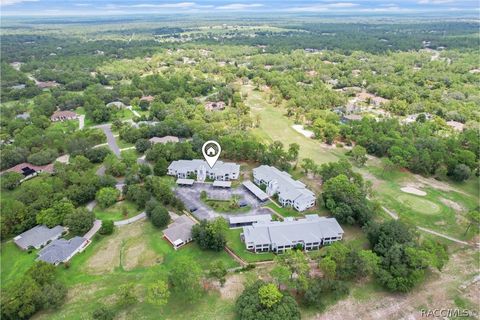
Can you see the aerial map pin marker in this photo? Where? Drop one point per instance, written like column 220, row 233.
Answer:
column 211, row 151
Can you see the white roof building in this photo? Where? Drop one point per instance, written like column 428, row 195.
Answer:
column 221, row 170
column 179, row 232
column 291, row 193
column 311, row 233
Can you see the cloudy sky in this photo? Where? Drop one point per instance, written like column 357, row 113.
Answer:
column 120, row 7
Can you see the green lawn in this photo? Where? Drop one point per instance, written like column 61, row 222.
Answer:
column 116, row 212
column 224, row 206
column 235, row 243
column 88, row 291
column 123, row 144
column 283, row 211
column 429, row 211
column 14, row 262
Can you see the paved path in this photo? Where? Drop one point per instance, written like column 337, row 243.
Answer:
column 101, row 170
column 97, row 224
column 81, row 121
column 91, row 205
column 135, row 113
column 130, row 220
column 438, row 234
column 443, row 236
column 112, row 143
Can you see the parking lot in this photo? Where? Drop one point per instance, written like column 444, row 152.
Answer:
column 190, row 196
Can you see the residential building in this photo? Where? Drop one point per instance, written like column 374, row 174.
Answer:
column 351, row 117
column 221, row 170
column 243, row 221
column 62, row 250
column 29, row 170
column 164, row 140
column 179, row 232
column 63, row 116
column 116, row 104
column 38, row 236
column 311, row 233
column 291, row 193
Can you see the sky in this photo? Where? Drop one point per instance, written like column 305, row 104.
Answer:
column 123, row 7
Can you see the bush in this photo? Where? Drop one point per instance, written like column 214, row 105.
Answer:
column 103, row 313
column 159, row 217
column 10, row 180
column 107, row 227
column 107, row 196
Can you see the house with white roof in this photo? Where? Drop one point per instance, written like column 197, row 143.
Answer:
column 310, row 233
column 223, row 171
column 291, row 193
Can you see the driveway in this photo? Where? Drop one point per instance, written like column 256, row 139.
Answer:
column 81, row 121
column 112, row 143
column 97, row 224
column 190, row 196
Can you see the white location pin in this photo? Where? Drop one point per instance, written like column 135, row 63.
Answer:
column 211, row 151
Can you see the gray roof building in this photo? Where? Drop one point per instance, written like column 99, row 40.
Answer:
column 221, row 170
column 62, row 250
column 222, row 184
column 164, row 140
column 242, row 221
column 311, row 232
column 291, row 193
column 185, row 182
column 38, row 236
column 179, row 232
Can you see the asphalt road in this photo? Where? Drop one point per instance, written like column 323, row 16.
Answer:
column 112, row 143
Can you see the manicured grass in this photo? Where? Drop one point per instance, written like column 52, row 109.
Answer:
column 14, row 262
column 235, row 243
column 89, row 291
column 275, row 126
column 285, row 212
column 224, row 206
column 116, row 212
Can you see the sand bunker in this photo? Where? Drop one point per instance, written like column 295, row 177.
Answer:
column 414, row 191
column 306, row 133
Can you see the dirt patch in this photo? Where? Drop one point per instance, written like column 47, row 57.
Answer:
column 452, row 204
column 438, row 292
column 81, row 292
column 107, row 256
column 439, row 185
column 413, row 190
column 233, row 287
column 137, row 254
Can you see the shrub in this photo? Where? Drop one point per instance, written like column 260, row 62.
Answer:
column 159, row 217
column 107, row 227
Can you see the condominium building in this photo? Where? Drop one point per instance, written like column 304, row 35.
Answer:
column 187, row 168
column 291, row 193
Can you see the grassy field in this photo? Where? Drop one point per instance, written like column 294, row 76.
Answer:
column 138, row 254
column 284, row 212
column 234, row 242
column 224, row 206
column 443, row 209
column 14, row 262
column 116, row 212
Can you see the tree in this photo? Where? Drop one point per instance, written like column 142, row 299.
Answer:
column 359, row 155
column 138, row 194
column 281, row 275
column 126, row 295
column 107, row 196
column 107, row 227
column 159, row 217
column 210, row 234
column 269, row 295
column 161, row 167
column 79, row 221
column 473, row 220
column 461, row 173
column 308, row 165
column 218, row 271
column 184, row 278
column 97, row 155
column 249, row 306
column 293, row 151
column 55, row 215
column 53, row 295
column 297, row 264
column 142, row 145
column 158, row 293
column 10, row 180
column 329, row 267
